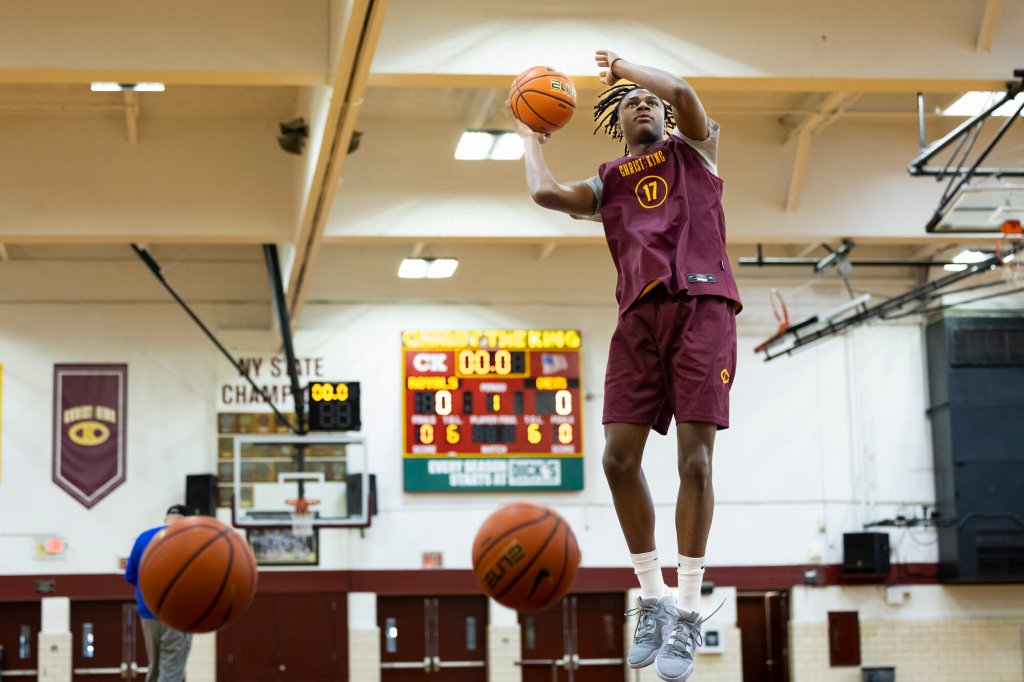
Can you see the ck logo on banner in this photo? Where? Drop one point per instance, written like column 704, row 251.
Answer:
column 89, row 410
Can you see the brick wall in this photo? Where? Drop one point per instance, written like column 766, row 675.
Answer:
column 363, row 654
column 503, row 644
column 55, row 657
column 949, row 650
column 202, row 660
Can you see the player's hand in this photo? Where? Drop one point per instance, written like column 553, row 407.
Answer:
column 605, row 59
column 524, row 130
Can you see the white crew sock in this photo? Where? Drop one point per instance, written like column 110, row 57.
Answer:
column 691, row 574
column 648, row 571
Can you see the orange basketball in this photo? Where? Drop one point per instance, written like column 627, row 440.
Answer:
column 543, row 99
column 525, row 556
column 198, row 574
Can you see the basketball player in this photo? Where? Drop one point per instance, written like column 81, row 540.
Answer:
column 166, row 648
column 673, row 353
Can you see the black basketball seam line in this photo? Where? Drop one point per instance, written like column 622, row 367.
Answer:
column 526, row 568
column 243, row 547
column 522, row 98
column 571, row 105
column 488, row 548
column 171, row 535
column 188, row 563
column 518, row 85
column 565, row 559
column 220, row 590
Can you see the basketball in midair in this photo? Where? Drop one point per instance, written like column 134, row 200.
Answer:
column 542, row 98
column 198, row 574
column 525, row 556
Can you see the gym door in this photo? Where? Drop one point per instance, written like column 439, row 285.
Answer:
column 763, row 619
column 433, row 638
column 106, row 641
column 580, row 640
column 287, row 638
column 19, row 635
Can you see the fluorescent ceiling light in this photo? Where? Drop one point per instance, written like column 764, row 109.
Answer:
column 964, row 258
column 975, row 102
column 442, row 268
column 122, row 87
column 508, row 147
column 498, row 145
column 474, row 146
column 427, row 268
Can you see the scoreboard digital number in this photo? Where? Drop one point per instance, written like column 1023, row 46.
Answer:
column 333, row 406
column 492, row 410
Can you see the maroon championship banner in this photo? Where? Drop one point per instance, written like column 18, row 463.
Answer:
column 89, row 412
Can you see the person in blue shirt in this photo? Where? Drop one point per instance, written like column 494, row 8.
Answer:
column 166, row 648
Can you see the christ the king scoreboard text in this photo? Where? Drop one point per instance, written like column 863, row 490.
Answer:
column 490, row 410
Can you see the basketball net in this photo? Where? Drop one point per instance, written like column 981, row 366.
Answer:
column 1013, row 268
column 302, row 518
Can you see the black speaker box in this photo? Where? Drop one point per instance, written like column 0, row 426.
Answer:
column 201, row 494
column 354, row 486
column 866, row 553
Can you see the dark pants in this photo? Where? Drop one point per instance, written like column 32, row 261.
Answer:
column 167, row 650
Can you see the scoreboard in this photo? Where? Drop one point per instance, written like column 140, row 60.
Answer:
column 492, row 410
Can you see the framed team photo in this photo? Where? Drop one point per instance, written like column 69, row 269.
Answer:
column 279, row 547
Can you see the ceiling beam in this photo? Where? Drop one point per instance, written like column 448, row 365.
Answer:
column 48, row 76
column 705, row 83
column 4, row 256
column 546, row 250
column 352, row 69
column 989, row 22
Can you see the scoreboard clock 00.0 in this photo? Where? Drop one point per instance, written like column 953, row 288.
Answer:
column 333, row 405
column 492, row 410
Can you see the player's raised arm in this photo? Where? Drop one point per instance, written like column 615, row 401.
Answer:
column 689, row 112
column 574, row 198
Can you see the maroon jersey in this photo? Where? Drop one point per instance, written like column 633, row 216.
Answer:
column 663, row 219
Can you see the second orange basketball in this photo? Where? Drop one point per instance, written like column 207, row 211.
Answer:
column 543, row 98
column 525, row 556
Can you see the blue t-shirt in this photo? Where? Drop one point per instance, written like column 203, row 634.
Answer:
column 131, row 570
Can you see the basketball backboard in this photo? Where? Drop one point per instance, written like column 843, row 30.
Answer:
column 271, row 473
column 982, row 209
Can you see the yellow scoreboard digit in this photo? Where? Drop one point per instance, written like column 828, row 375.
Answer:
column 492, row 410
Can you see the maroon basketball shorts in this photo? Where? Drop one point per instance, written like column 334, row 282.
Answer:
column 672, row 355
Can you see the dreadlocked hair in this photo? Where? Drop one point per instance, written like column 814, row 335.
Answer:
column 606, row 111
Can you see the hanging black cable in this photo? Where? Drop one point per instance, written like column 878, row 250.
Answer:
column 154, row 267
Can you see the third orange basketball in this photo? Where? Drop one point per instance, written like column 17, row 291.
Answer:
column 198, row 574
column 543, row 98
column 525, row 556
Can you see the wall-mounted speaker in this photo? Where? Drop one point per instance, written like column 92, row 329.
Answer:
column 866, row 553
column 201, row 494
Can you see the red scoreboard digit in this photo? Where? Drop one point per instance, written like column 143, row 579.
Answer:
column 492, row 410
